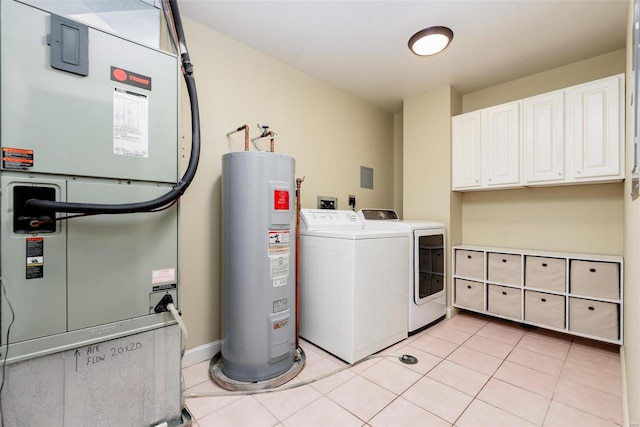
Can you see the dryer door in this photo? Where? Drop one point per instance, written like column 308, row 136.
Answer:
column 429, row 265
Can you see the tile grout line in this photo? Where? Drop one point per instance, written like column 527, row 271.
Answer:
column 490, row 378
column 555, row 386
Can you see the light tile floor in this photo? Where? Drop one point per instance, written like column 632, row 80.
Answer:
column 472, row 370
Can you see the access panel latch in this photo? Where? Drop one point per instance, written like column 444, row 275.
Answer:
column 69, row 41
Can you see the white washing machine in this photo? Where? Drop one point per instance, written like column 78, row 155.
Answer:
column 353, row 293
column 427, row 264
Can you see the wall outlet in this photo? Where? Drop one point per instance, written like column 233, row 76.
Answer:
column 352, row 201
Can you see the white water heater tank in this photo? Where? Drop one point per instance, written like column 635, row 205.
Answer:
column 258, row 265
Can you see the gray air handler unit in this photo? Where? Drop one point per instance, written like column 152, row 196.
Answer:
column 258, row 271
column 88, row 115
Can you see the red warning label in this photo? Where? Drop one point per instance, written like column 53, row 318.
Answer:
column 281, row 200
column 16, row 158
column 35, row 258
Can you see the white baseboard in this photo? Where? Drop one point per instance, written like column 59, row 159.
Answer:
column 452, row 311
column 201, row 353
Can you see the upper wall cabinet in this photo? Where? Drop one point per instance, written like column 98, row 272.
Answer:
column 544, row 138
column 597, row 129
column 501, row 154
column 483, row 150
column 567, row 136
column 467, row 150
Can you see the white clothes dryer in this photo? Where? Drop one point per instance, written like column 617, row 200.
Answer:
column 352, row 284
column 427, row 264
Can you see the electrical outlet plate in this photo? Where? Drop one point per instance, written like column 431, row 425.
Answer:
column 325, row 202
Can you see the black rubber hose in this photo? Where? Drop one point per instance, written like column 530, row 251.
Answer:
column 187, row 178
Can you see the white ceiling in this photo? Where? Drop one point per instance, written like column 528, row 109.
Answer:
column 360, row 46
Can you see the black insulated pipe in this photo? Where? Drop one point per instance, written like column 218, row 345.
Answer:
column 179, row 189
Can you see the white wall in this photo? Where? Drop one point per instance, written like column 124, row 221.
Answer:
column 329, row 133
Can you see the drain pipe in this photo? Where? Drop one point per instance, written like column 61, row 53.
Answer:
column 298, row 185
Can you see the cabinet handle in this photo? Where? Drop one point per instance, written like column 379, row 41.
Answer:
column 468, row 286
column 543, row 299
column 504, row 260
column 544, row 264
column 593, row 270
column 469, row 256
column 591, row 308
column 504, row 293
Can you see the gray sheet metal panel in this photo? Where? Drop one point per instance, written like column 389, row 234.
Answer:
column 130, row 381
column 258, row 312
column 111, row 257
column 101, row 265
column 136, row 20
column 39, row 303
column 68, row 119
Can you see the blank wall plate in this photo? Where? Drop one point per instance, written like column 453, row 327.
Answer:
column 366, row 177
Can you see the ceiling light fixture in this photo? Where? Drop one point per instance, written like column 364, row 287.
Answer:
column 430, row 41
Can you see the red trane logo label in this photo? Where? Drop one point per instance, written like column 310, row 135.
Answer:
column 120, row 75
column 130, row 78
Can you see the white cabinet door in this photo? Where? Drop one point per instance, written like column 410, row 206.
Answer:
column 597, row 129
column 544, row 138
column 502, row 145
column 466, row 134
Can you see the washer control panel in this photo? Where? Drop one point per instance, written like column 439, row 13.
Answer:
column 328, row 219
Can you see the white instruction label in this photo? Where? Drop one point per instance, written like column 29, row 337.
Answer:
column 279, row 269
column 279, row 256
column 163, row 275
column 130, row 123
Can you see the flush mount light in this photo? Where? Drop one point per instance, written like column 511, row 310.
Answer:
column 430, row 41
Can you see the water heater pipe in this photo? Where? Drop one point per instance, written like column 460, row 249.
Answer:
column 246, row 135
column 298, row 185
column 271, row 134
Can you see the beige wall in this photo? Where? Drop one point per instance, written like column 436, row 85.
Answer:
column 329, row 133
column 547, row 81
column 427, row 191
column 427, row 156
column 584, row 218
column 580, row 218
column 397, row 163
column 631, row 348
